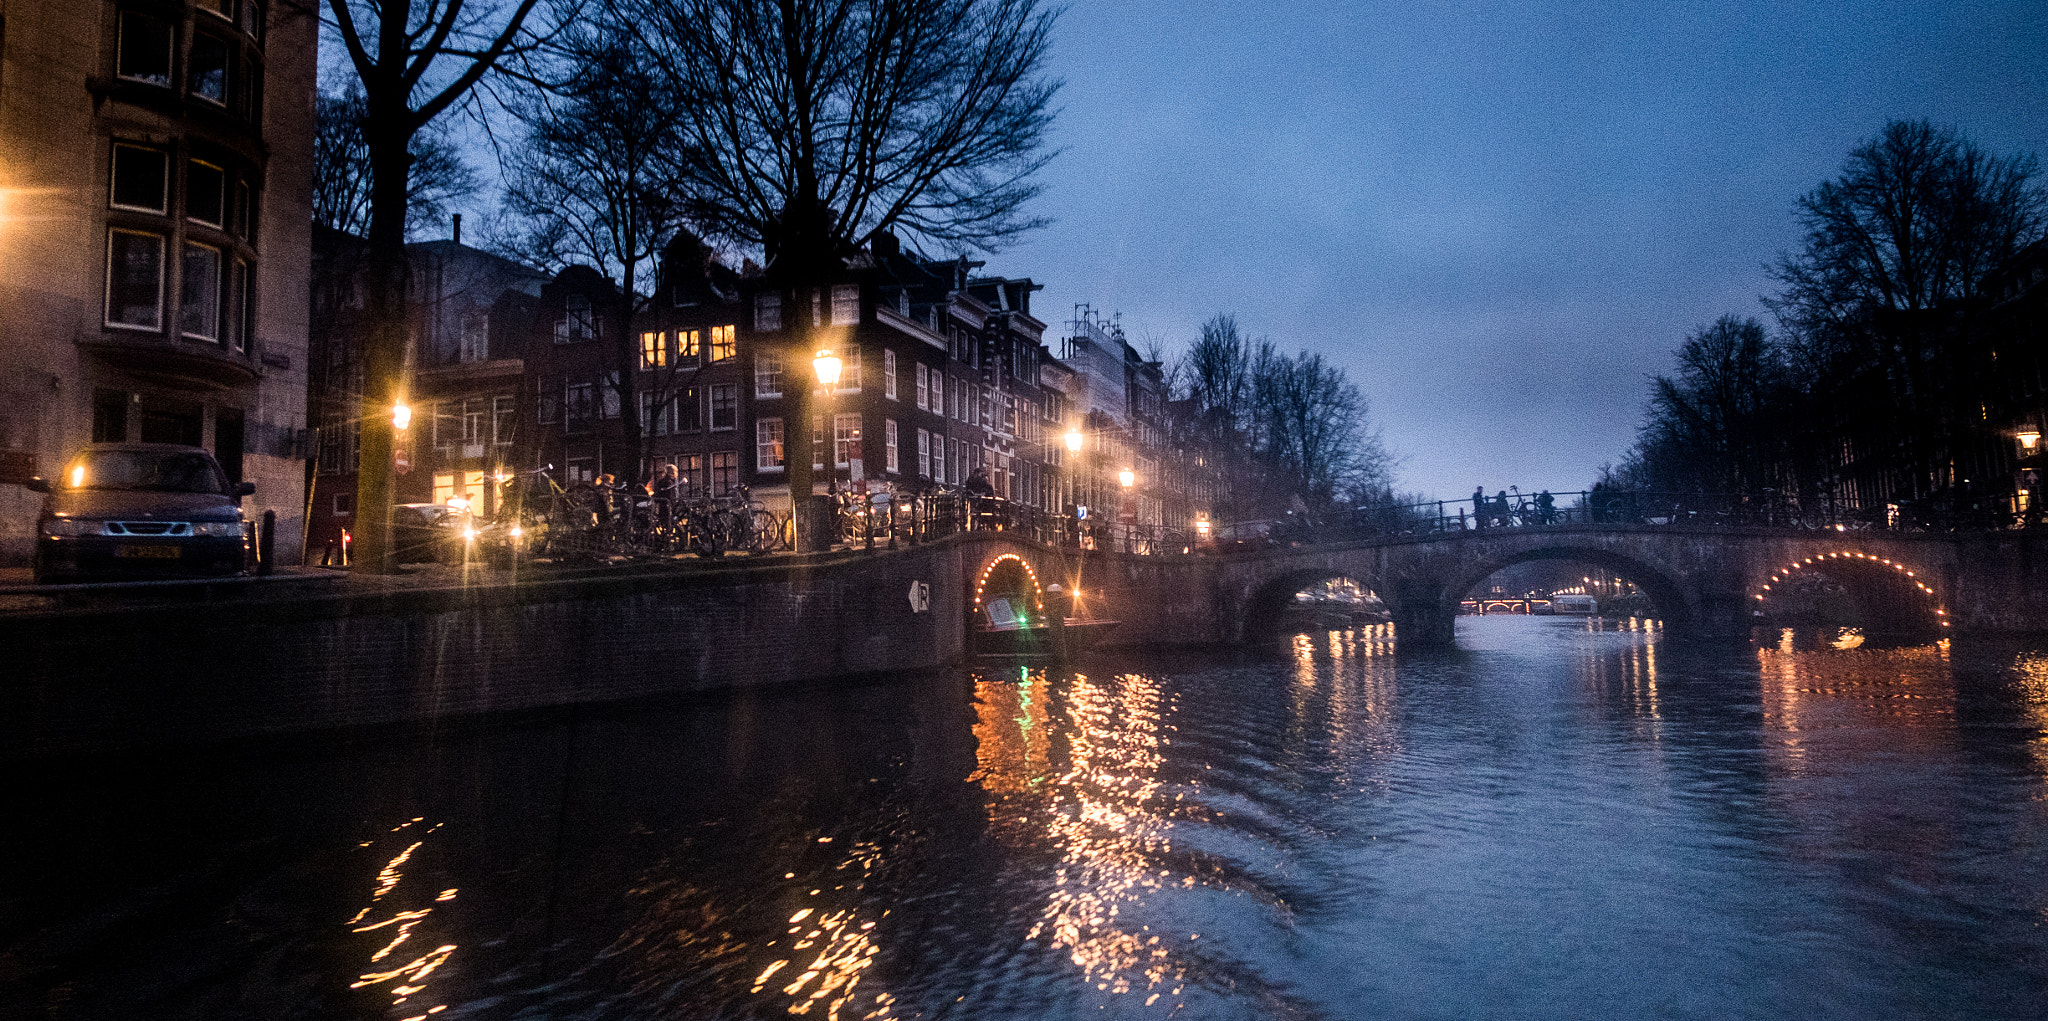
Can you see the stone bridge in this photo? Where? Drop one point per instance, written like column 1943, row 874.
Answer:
column 1704, row 581
column 128, row 676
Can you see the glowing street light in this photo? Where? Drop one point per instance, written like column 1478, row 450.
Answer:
column 1074, row 440
column 1126, row 478
column 827, row 365
column 2029, row 439
column 401, row 416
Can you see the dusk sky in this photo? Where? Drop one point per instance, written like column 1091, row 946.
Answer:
column 1499, row 222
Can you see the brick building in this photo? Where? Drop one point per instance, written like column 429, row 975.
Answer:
column 155, row 196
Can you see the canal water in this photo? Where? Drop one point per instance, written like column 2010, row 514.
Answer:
column 1560, row 819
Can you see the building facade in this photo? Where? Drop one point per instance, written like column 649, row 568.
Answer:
column 155, row 201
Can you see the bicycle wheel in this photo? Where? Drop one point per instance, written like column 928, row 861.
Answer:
column 581, row 503
column 709, row 532
column 764, row 531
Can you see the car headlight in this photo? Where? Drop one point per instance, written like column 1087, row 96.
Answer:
column 70, row 527
column 226, row 529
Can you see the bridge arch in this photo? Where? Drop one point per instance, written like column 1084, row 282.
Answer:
column 1268, row 602
column 1664, row 592
column 1887, row 593
column 1008, row 575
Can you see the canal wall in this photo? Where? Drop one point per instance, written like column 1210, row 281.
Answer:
column 118, row 678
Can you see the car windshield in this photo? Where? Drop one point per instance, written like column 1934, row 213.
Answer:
column 160, row 471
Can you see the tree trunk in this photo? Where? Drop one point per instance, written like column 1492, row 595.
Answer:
column 384, row 341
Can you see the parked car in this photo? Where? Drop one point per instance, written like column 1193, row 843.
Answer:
column 141, row 510
column 431, row 532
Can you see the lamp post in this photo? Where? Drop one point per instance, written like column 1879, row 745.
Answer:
column 1074, row 443
column 827, row 365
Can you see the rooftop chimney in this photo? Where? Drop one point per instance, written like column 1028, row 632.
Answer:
column 458, row 228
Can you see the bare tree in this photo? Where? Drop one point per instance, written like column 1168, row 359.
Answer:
column 1314, row 429
column 341, row 168
column 414, row 59
column 596, row 182
column 1875, row 303
column 821, row 124
column 1718, row 425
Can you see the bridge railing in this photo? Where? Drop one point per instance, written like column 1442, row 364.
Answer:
column 1515, row 510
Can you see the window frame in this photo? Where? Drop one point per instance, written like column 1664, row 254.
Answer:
column 162, row 240
column 770, row 440
column 889, row 373
column 209, row 294
column 731, row 390
column 163, row 206
column 170, row 48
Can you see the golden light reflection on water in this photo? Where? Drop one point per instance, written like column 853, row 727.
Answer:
column 2032, row 671
column 1343, row 699
column 392, row 924
column 1104, row 817
column 833, row 946
column 1868, row 700
column 1633, row 673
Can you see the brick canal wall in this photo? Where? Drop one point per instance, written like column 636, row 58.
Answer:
column 112, row 679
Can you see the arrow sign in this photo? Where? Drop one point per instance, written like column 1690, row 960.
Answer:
column 920, row 597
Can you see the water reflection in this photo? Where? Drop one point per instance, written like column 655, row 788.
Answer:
column 1103, row 817
column 1813, row 827
column 393, row 916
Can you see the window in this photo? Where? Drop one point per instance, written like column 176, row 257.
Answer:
column 690, row 476
column 767, row 375
column 889, row 462
column 475, row 343
column 767, row 312
column 577, row 323
column 205, row 193
column 653, row 352
column 686, row 348
column 889, row 374
column 725, row 472
column 447, row 417
column 924, row 388
column 953, row 473
column 688, row 418
column 199, row 300
column 767, row 443
column 723, row 346
column 504, row 419
column 846, row 304
column 208, row 79
column 653, row 415
column 725, row 406
column 579, row 406
column 849, row 370
column 145, row 49
column 141, row 179
column 609, row 391
column 545, row 402
column 924, row 453
column 239, row 313
column 845, row 438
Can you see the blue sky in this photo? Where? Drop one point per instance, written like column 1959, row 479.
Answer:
column 1499, row 221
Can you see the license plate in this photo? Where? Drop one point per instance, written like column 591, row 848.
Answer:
column 148, row 552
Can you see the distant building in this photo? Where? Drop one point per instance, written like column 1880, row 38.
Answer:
column 471, row 316
column 155, row 196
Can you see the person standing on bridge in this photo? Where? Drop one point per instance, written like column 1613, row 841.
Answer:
column 1479, row 506
column 1502, row 512
column 1546, row 507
